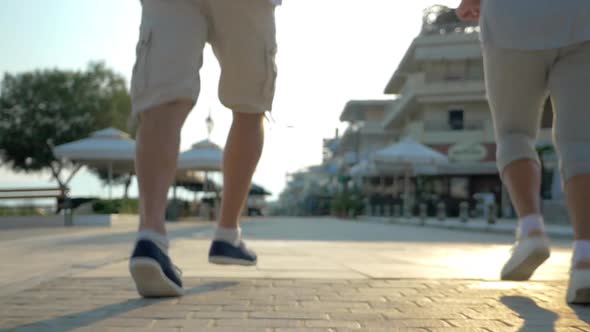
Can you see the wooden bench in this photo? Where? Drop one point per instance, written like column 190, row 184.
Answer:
column 60, row 194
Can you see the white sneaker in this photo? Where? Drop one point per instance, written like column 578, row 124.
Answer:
column 527, row 254
column 578, row 290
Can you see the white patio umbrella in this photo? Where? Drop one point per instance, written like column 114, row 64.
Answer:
column 364, row 167
column 203, row 156
column 108, row 148
column 409, row 156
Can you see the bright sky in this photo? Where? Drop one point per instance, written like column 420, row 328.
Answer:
column 330, row 51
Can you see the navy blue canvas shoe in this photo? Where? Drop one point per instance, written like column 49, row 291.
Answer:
column 153, row 272
column 225, row 253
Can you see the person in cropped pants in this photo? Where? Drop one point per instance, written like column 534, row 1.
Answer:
column 532, row 50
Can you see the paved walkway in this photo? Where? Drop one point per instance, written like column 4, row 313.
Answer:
column 313, row 275
column 502, row 226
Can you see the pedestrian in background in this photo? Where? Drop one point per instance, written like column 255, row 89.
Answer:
column 533, row 49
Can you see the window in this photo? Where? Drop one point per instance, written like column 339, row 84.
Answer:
column 456, row 121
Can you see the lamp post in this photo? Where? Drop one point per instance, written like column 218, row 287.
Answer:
column 210, row 124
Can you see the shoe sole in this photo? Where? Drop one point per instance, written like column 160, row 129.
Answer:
column 578, row 291
column 221, row 260
column 151, row 281
column 579, row 296
column 525, row 270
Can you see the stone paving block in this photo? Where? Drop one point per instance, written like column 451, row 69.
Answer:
column 228, row 329
column 384, row 329
column 399, row 323
column 217, row 315
column 127, row 329
column 184, row 323
column 288, row 315
column 203, row 307
column 456, row 329
column 491, row 323
column 126, row 322
column 336, row 305
column 332, row 323
column 305, row 329
column 159, row 313
column 422, row 314
column 357, row 315
column 260, row 323
column 248, row 308
column 214, row 306
column 352, row 298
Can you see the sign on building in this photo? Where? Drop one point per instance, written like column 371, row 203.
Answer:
column 467, row 152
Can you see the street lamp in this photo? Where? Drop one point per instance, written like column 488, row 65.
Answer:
column 209, row 123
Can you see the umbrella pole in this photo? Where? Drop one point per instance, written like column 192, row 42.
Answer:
column 110, row 180
column 205, row 191
column 407, row 193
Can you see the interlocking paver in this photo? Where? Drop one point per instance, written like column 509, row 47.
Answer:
column 410, row 322
column 303, row 329
column 332, row 323
column 184, row 323
column 209, row 306
column 260, row 323
column 373, row 286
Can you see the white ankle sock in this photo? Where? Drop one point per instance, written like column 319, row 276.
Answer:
column 230, row 235
column 581, row 251
column 532, row 222
column 160, row 240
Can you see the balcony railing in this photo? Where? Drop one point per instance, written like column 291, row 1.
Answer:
column 449, row 28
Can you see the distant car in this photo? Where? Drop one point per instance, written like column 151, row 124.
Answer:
column 254, row 212
column 256, row 205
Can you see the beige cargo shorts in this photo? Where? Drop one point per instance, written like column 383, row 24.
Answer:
column 170, row 52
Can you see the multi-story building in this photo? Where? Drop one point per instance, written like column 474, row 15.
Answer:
column 365, row 133
column 438, row 98
column 440, row 102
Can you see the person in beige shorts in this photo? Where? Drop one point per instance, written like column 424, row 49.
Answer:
column 533, row 49
column 165, row 87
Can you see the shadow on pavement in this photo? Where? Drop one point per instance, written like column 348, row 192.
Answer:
column 82, row 319
column 583, row 312
column 536, row 319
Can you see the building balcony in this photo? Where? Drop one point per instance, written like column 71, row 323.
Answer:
column 455, row 136
column 418, row 91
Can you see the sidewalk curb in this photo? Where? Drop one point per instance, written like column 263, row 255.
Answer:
column 504, row 227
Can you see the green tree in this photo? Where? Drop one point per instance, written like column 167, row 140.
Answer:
column 43, row 108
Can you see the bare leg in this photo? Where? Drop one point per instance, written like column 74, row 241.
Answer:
column 578, row 193
column 158, row 141
column 523, row 180
column 241, row 156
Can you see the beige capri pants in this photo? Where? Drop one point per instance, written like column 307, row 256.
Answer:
column 518, row 83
